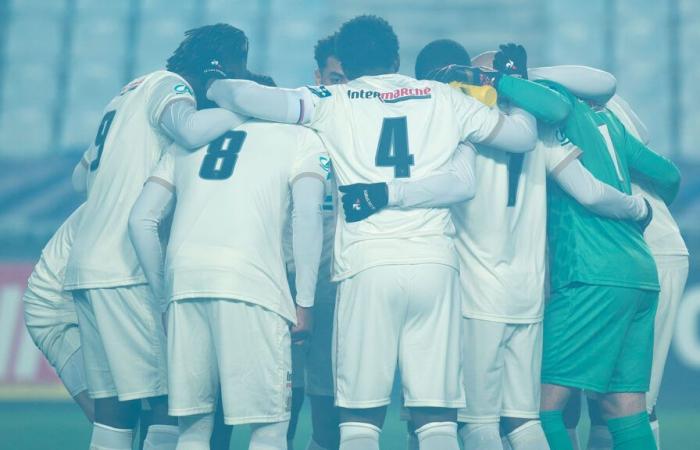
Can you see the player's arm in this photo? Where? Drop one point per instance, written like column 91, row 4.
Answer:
column 656, row 171
column 191, row 128
column 584, row 82
column 542, row 102
column 514, row 132
column 154, row 204
column 268, row 103
column 454, row 183
column 598, row 197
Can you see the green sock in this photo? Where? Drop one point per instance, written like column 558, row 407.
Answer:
column 555, row 430
column 632, row 432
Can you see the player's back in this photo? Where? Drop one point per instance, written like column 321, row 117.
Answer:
column 127, row 147
column 233, row 199
column 380, row 128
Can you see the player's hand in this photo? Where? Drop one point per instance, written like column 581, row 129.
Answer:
column 361, row 200
column 213, row 71
column 646, row 220
column 511, row 60
column 302, row 330
column 475, row 76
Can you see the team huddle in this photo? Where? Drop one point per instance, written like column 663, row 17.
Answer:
column 242, row 246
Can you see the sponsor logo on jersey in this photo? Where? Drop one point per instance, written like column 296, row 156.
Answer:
column 395, row 96
column 182, row 89
column 319, row 91
column 561, row 137
column 325, row 163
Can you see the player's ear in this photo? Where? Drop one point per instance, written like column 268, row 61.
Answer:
column 317, row 75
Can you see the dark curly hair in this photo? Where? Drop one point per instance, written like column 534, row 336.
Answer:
column 204, row 44
column 366, row 44
column 324, row 49
column 438, row 54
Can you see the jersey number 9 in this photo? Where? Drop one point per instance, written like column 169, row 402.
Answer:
column 221, row 157
column 101, row 138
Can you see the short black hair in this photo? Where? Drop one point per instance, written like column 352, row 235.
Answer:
column 438, row 54
column 265, row 80
column 366, row 43
column 205, row 44
column 325, row 48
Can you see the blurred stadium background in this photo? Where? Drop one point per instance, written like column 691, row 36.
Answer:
column 62, row 60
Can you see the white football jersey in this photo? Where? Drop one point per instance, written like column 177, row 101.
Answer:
column 502, row 232
column 233, row 200
column 128, row 145
column 377, row 128
column 45, row 284
column 325, row 287
column 662, row 235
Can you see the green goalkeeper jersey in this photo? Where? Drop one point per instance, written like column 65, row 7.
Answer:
column 587, row 248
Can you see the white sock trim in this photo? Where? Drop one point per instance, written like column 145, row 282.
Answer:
column 116, row 430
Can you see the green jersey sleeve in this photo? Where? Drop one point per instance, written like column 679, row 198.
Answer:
column 542, row 102
column 656, row 171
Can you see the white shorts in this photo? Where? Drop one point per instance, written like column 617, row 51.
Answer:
column 405, row 314
column 123, row 342
column 53, row 328
column 502, row 364
column 319, row 366
column 673, row 273
column 241, row 347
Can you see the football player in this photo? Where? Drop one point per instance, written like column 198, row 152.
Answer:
column 398, row 299
column 49, row 314
column 120, row 326
column 599, row 321
column 502, row 260
column 228, row 303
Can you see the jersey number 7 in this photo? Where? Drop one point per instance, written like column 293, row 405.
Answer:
column 221, row 157
column 392, row 150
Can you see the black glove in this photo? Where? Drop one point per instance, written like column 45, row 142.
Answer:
column 361, row 200
column 511, row 59
column 476, row 76
column 646, row 220
column 213, row 71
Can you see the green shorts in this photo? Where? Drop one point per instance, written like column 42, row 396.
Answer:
column 599, row 338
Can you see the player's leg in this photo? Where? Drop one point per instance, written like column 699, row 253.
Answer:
column 369, row 315
column 673, row 274
column 221, row 435
column 319, row 375
column 298, row 363
column 599, row 437
column 114, row 420
column 483, row 379
column 430, row 354
column 572, row 416
column 521, row 387
column 193, row 378
column 253, row 349
column 624, row 406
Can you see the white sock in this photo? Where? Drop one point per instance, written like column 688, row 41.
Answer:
column 108, row 438
column 529, row 436
column 161, row 437
column 412, row 441
column 655, row 429
column 195, row 432
column 505, row 443
column 573, row 436
column 600, row 438
column 358, row 436
column 481, row 436
column 438, row 436
column 313, row 445
column 268, row 436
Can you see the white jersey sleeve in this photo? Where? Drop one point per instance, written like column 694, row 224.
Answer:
column 164, row 173
column 166, row 90
column 477, row 121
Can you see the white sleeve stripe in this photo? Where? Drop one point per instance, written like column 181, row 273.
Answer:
column 167, row 185
column 307, row 174
column 566, row 161
column 301, row 111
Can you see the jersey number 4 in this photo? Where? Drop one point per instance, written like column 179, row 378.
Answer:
column 221, row 157
column 392, row 150
column 101, row 138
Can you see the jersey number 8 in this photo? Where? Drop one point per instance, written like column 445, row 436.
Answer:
column 221, row 157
